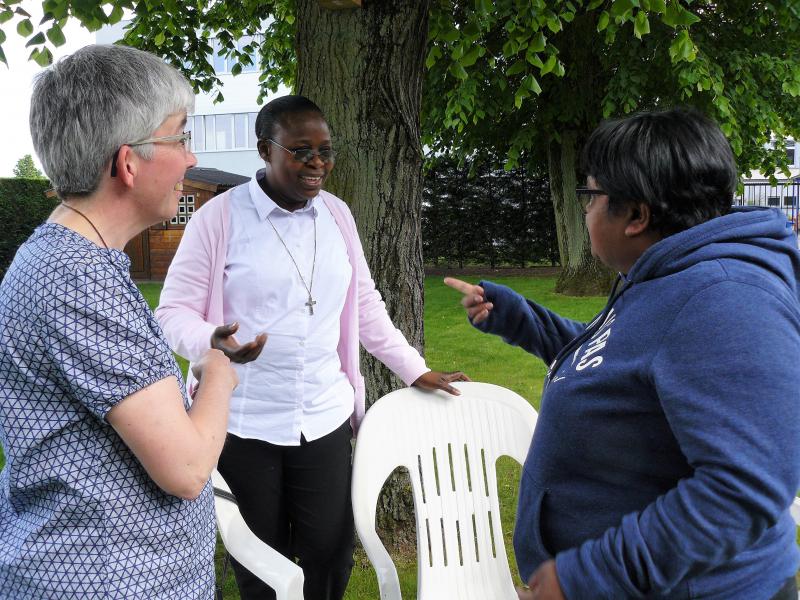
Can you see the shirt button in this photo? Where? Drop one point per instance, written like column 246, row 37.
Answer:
column 302, row 343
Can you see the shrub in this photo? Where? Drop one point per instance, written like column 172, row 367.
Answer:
column 23, row 206
column 486, row 216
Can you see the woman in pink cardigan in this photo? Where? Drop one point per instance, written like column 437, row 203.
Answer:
column 279, row 256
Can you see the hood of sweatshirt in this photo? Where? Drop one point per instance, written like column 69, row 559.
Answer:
column 761, row 237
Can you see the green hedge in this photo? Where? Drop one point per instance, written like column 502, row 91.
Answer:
column 23, row 206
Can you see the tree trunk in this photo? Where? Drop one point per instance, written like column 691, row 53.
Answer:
column 364, row 68
column 581, row 273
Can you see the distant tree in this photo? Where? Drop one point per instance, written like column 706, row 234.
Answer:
column 25, row 168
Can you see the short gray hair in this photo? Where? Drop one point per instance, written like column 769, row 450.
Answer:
column 92, row 102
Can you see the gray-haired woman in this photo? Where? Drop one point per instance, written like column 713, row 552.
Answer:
column 105, row 491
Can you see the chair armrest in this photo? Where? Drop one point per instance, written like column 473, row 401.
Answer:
column 795, row 510
column 263, row 561
column 385, row 571
column 369, row 473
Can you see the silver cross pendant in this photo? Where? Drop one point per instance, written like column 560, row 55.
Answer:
column 310, row 304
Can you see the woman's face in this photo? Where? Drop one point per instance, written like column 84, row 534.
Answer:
column 162, row 175
column 606, row 231
column 618, row 238
column 291, row 180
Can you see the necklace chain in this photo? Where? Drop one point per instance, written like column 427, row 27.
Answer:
column 88, row 220
column 311, row 302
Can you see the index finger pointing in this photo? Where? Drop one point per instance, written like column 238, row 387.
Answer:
column 462, row 286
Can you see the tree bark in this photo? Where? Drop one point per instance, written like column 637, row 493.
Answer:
column 364, row 68
column 581, row 273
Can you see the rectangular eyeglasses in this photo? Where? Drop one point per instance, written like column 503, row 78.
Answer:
column 586, row 195
column 184, row 138
column 304, row 155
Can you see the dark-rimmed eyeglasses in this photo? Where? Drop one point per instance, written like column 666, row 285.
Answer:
column 184, row 138
column 305, row 155
column 587, row 195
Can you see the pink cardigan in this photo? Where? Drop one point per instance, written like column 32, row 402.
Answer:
column 191, row 304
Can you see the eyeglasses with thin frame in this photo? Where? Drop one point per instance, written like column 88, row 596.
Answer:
column 185, row 139
column 304, row 155
column 587, row 195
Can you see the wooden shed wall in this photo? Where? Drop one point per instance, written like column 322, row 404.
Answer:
column 153, row 250
column 163, row 245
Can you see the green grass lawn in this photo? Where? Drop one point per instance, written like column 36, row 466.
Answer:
column 452, row 344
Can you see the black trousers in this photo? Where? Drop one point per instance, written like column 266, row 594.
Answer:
column 297, row 500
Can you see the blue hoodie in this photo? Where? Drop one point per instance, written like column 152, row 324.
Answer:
column 667, row 449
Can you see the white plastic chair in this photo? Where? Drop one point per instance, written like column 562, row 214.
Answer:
column 266, row 563
column 449, row 444
column 795, row 510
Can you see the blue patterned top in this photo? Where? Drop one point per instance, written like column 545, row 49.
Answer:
column 79, row 516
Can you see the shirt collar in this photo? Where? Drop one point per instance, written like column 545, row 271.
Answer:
column 265, row 205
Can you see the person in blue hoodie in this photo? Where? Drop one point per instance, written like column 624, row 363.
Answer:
column 667, row 449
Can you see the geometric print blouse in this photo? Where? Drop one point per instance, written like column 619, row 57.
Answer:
column 79, row 516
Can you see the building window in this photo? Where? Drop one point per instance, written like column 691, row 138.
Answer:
column 211, row 139
column 220, row 62
column 198, row 133
column 232, row 131
column 224, row 131
column 790, row 154
column 244, row 41
column 773, row 201
column 185, row 210
column 252, row 142
column 790, row 200
column 240, row 130
column 224, row 64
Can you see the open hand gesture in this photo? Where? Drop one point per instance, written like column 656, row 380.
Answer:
column 222, row 339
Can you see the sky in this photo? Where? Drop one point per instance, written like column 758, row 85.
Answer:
column 15, row 86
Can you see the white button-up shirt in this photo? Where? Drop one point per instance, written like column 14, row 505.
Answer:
column 297, row 385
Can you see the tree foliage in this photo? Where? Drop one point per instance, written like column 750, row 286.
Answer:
column 180, row 32
column 23, row 207
column 522, row 80
column 513, row 76
column 510, row 74
column 26, row 168
column 529, row 81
